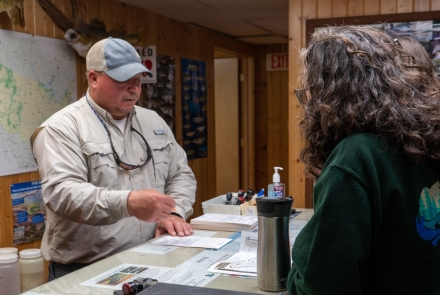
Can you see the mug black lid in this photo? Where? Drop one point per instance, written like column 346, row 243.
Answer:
column 274, row 207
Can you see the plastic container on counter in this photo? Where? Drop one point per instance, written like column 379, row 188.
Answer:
column 9, row 274
column 31, row 269
column 9, row 250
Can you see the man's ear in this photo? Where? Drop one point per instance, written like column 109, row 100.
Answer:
column 92, row 77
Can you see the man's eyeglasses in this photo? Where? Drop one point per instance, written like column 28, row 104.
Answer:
column 303, row 95
column 118, row 160
column 124, row 165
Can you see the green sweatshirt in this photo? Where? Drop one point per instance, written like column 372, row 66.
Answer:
column 376, row 226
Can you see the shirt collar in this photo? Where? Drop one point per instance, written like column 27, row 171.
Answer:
column 106, row 116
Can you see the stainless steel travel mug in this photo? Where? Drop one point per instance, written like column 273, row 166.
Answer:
column 273, row 252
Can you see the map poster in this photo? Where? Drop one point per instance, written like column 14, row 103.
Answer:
column 29, row 211
column 37, row 78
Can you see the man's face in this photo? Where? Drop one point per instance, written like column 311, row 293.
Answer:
column 117, row 98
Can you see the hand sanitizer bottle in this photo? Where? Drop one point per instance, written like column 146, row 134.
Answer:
column 276, row 189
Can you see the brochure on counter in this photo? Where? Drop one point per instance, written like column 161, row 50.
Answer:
column 244, row 262
column 127, row 272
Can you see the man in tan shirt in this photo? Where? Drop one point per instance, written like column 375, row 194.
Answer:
column 113, row 175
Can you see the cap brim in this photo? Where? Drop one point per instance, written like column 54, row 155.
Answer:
column 125, row 72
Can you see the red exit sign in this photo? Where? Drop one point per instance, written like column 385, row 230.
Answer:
column 277, row 62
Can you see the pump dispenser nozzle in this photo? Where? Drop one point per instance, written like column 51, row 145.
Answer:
column 276, row 176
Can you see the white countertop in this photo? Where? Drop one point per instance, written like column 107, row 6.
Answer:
column 69, row 284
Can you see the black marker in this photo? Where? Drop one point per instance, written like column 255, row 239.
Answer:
column 228, row 198
column 249, row 195
column 240, row 199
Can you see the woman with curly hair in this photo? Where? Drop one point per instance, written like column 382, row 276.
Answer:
column 371, row 129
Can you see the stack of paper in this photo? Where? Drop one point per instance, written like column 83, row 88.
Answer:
column 211, row 221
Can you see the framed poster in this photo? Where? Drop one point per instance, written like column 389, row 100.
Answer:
column 161, row 95
column 28, row 210
column 194, row 120
column 422, row 26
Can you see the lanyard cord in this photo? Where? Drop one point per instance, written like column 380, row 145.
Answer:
column 115, row 154
column 99, row 117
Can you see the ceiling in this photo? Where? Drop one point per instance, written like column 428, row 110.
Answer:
column 251, row 21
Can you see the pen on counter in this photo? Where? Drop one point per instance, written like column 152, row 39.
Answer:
column 260, row 193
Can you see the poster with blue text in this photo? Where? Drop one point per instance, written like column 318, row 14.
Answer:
column 28, row 210
column 194, row 119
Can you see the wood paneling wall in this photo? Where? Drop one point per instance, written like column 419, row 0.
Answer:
column 271, row 120
column 299, row 11
column 171, row 38
column 277, row 138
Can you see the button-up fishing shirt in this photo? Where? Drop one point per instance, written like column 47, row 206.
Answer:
column 85, row 191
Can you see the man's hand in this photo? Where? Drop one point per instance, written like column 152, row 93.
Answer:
column 174, row 225
column 150, row 205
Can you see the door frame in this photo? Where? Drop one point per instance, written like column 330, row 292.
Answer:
column 247, row 118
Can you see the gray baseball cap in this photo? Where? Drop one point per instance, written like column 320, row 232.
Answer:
column 117, row 58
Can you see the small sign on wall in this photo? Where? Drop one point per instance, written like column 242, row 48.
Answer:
column 148, row 56
column 277, row 62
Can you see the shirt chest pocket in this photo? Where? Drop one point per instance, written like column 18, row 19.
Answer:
column 101, row 164
column 161, row 149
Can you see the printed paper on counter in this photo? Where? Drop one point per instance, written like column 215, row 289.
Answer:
column 193, row 242
column 127, row 272
column 160, row 249
column 244, row 262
